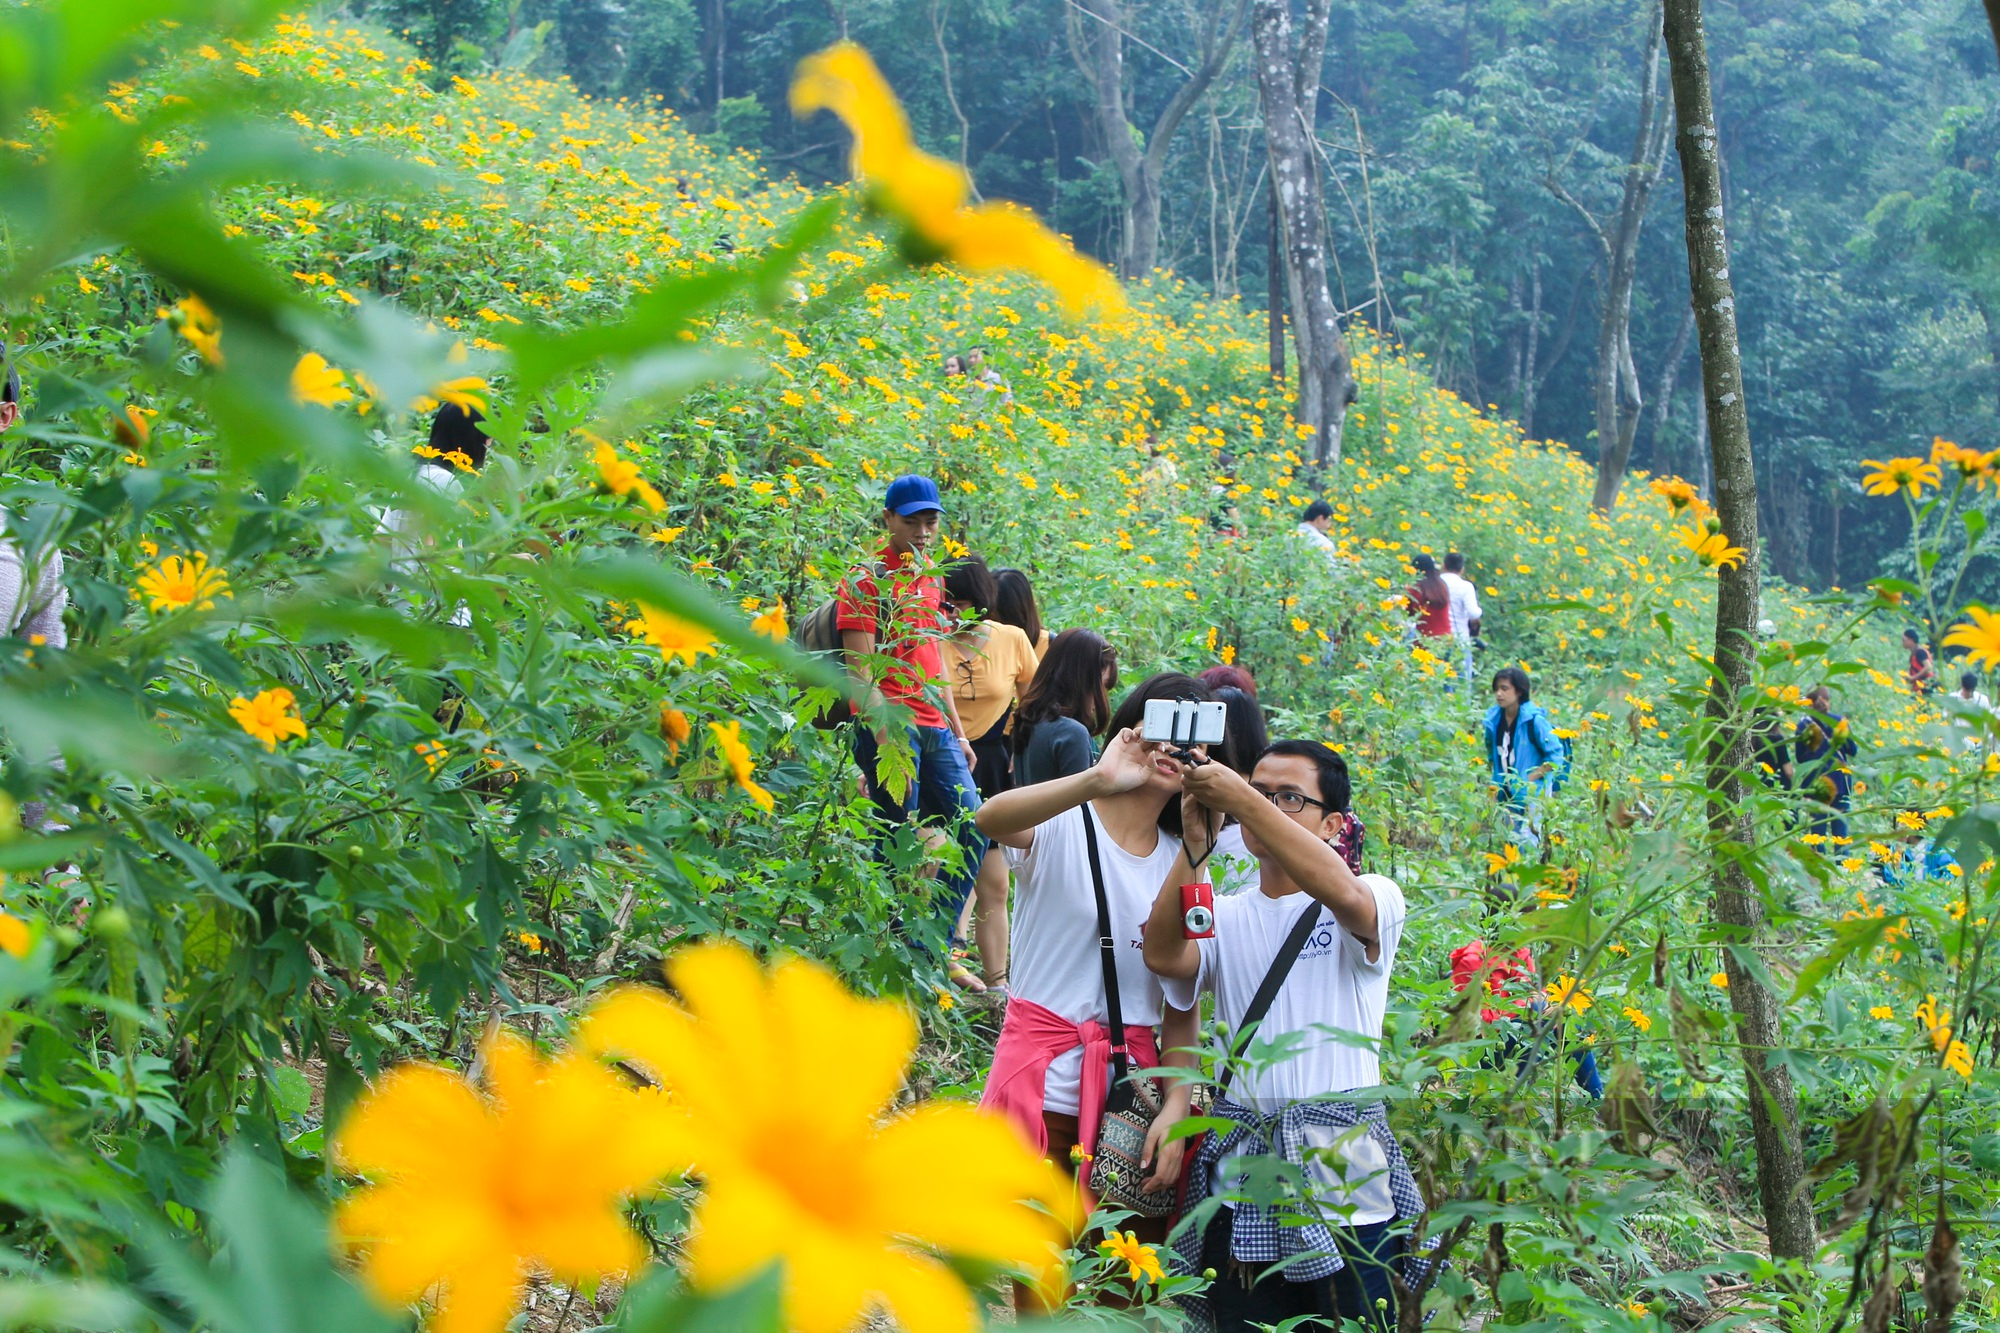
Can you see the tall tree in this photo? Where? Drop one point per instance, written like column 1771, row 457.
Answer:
column 1099, row 39
column 1288, row 75
column 1616, row 386
column 1773, row 1104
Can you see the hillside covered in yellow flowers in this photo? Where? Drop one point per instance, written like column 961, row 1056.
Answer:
column 359, row 769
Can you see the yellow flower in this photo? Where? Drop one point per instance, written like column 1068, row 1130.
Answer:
column 1638, row 1309
column 475, row 1192
column 1958, row 1060
column 194, row 321
column 1639, row 1018
column 929, row 194
column 1719, row 979
column 729, row 737
column 772, row 623
column 1900, row 474
column 1937, row 1023
column 270, row 717
column 853, row 1203
column 1568, row 991
column 1712, row 549
column 674, row 729
column 620, row 476
column 433, row 753
column 673, row 636
column 15, row 938
column 314, row 381
column 464, row 392
column 1882, row 1011
column 1970, row 464
column 1677, row 493
column 665, row 536
column 1141, row 1261
column 1981, row 638
column 178, row 582
column 131, row 427
column 530, row 941
column 1497, row 863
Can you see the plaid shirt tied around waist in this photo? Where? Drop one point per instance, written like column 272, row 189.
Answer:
column 1262, row 1235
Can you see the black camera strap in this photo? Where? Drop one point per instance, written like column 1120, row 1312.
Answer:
column 1120, row 1092
column 1267, row 990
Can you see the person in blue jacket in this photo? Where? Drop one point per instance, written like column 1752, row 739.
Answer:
column 1526, row 757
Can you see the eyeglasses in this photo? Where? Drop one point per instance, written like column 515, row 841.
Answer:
column 1289, row 802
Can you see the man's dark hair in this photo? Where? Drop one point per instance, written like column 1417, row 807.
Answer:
column 1968, row 681
column 1317, row 510
column 969, row 582
column 1132, row 711
column 1336, row 790
column 10, row 388
column 1514, row 676
column 1069, row 683
column 457, row 428
column 1454, row 562
column 1912, row 635
column 1014, row 603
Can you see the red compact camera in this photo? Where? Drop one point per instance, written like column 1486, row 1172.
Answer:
column 1198, row 911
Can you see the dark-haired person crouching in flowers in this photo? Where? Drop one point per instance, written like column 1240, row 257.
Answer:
column 1338, row 930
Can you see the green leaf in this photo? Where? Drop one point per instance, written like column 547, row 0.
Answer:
column 36, row 853
column 291, row 1095
column 1849, row 938
column 660, row 1304
column 27, row 1304
column 1975, row 526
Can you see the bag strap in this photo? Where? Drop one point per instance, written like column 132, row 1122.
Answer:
column 1267, row 990
column 1107, row 949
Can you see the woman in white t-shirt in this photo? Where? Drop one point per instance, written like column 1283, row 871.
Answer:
column 1050, row 1065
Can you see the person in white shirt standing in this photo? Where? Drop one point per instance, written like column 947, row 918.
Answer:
column 1465, row 612
column 1313, row 526
column 1336, row 931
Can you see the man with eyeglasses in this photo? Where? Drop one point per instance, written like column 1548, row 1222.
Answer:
column 1326, row 1021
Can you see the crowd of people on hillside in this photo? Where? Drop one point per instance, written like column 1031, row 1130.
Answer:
column 1106, row 877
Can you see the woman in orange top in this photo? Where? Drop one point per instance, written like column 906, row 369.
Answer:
column 1430, row 600
column 989, row 664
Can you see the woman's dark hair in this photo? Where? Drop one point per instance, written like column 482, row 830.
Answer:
column 1229, row 677
column 969, row 582
column 1015, row 604
column 457, row 428
column 10, row 384
column 1913, row 636
column 1335, row 788
column 1968, row 681
column 1132, row 711
column 1513, row 676
column 1069, row 683
column 1247, row 734
column 1430, row 585
column 1317, row 509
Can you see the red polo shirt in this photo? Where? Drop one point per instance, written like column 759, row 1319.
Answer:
column 916, row 604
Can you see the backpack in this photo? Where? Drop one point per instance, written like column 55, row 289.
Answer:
column 819, row 634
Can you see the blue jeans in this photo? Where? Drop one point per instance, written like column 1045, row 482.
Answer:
column 943, row 794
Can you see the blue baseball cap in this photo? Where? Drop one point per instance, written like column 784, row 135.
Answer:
column 911, row 494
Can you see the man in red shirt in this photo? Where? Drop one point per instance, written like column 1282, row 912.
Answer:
column 898, row 663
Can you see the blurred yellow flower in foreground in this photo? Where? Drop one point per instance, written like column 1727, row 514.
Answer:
column 729, row 737
column 271, row 716
column 620, row 476
column 314, row 381
column 674, row 729
column 194, row 321
column 1900, row 474
column 15, row 937
column 673, row 636
column 929, row 193
column 472, row 1191
column 772, row 623
column 857, row 1206
column 1981, row 637
column 179, row 582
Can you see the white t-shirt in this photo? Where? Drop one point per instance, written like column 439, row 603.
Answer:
column 1464, row 604
column 1054, row 961
column 1320, row 542
column 1331, row 986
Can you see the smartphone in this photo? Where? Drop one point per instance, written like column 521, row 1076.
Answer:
column 1184, row 722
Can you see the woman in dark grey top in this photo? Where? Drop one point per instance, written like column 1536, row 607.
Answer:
column 1057, row 720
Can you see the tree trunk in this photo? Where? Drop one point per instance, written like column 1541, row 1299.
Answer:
column 1101, row 52
column 1670, row 374
column 1788, row 1215
column 1618, row 401
column 1288, row 87
column 1530, row 370
column 1275, row 285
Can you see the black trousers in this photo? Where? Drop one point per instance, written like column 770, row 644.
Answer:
column 1351, row 1293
